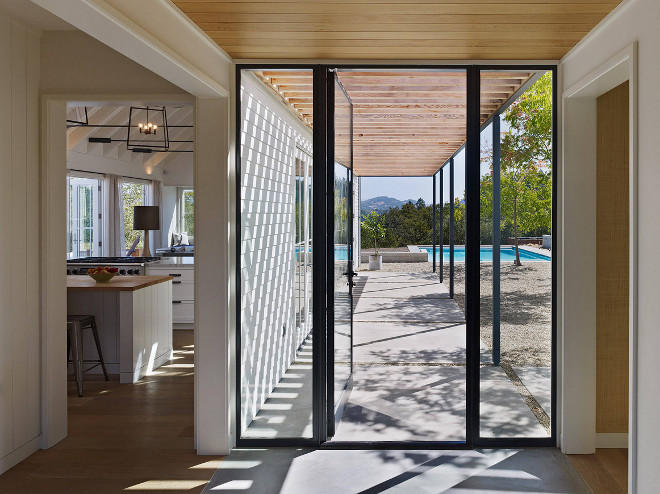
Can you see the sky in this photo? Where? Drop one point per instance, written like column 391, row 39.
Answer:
column 404, row 188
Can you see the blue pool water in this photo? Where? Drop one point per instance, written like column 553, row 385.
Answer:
column 341, row 252
column 507, row 253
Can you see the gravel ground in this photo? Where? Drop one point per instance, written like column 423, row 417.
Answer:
column 525, row 327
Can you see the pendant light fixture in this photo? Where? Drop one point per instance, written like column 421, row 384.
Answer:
column 151, row 123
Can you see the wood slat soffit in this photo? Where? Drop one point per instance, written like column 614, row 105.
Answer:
column 406, row 122
column 390, row 29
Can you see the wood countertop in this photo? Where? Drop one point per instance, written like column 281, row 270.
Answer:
column 116, row 284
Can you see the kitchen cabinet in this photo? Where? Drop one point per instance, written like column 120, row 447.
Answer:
column 182, row 270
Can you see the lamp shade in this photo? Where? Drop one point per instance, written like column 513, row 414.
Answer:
column 146, row 218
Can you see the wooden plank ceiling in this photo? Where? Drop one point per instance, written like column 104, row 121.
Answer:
column 397, row 29
column 406, row 123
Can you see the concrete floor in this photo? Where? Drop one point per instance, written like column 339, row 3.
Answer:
column 409, row 374
column 304, row 471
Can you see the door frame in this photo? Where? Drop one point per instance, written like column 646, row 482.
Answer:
column 334, row 415
column 579, row 110
column 321, row 255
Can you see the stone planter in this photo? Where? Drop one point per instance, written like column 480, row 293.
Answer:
column 375, row 262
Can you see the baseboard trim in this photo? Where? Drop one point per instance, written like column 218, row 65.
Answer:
column 18, row 455
column 612, row 440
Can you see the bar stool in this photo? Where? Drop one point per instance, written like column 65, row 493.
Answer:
column 75, row 325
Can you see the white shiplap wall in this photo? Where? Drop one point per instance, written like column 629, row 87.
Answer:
column 269, row 136
column 19, row 249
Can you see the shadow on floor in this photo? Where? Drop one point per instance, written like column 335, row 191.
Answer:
column 305, row 471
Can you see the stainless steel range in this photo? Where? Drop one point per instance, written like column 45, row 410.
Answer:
column 126, row 265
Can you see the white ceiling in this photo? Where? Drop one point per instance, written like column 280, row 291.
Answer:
column 78, row 137
column 34, row 16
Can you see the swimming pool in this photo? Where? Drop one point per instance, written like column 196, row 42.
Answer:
column 341, row 252
column 507, row 253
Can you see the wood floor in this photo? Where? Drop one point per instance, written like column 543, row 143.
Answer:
column 606, row 472
column 128, row 437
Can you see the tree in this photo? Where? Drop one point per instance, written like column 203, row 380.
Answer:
column 526, row 160
column 372, row 227
column 132, row 195
column 188, row 200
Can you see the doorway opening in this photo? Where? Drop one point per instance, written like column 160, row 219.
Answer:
column 134, row 345
column 393, row 350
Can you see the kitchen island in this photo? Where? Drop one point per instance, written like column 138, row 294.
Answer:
column 134, row 317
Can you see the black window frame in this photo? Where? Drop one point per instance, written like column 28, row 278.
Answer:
column 321, row 256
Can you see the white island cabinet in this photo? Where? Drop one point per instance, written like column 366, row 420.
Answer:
column 134, row 317
column 182, row 271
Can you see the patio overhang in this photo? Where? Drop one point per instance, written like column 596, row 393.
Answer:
column 405, row 122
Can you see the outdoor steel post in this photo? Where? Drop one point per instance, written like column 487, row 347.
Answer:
column 472, row 248
column 434, row 237
column 319, row 253
column 496, row 239
column 442, row 225
column 451, row 228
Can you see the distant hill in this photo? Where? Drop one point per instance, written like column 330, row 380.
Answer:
column 381, row 204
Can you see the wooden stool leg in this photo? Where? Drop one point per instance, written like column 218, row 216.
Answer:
column 98, row 347
column 75, row 338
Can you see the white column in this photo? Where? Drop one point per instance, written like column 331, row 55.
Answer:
column 53, row 254
column 213, row 254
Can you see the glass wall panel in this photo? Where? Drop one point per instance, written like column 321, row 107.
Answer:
column 516, row 267
column 276, row 254
column 409, row 336
column 343, row 330
column 84, row 224
column 132, row 194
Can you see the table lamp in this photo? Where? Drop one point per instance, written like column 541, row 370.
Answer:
column 146, row 218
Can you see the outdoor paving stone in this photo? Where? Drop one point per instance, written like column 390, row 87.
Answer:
column 385, row 277
column 503, row 411
column 409, row 342
column 405, row 403
column 538, row 380
column 392, row 309
column 401, row 290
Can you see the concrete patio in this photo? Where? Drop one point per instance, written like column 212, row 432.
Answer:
column 409, row 373
column 409, row 355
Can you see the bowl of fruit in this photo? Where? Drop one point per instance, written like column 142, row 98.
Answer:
column 102, row 275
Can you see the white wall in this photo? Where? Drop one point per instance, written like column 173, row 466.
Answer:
column 637, row 21
column 74, row 62
column 19, row 252
column 270, row 133
column 178, row 170
column 89, row 162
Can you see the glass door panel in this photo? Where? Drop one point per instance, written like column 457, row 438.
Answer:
column 516, row 259
column 341, row 337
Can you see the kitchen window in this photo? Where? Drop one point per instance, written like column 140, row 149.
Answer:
column 133, row 193
column 186, row 211
column 84, row 218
